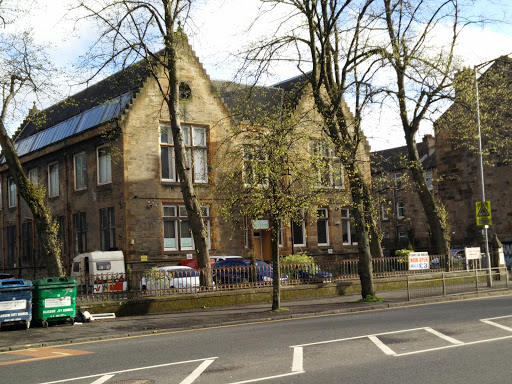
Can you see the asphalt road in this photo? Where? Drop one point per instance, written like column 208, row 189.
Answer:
column 457, row 342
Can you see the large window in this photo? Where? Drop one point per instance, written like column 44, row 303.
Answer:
column 195, row 142
column 349, row 235
column 327, row 168
column 104, row 165
column 254, row 172
column 400, row 211
column 398, row 180
column 27, row 241
column 107, row 229
column 11, row 245
column 384, row 210
column 53, row 180
column 80, row 232
column 299, row 233
column 323, row 226
column 80, row 167
column 177, row 231
column 428, row 180
column 33, row 177
column 12, row 193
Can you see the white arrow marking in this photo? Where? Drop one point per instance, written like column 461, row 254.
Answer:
column 197, row 372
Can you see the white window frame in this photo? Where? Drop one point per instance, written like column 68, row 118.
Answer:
column 398, row 180
column 251, row 158
column 325, row 154
column 76, row 172
column 429, row 179
column 323, row 219
column 400, row 210
column 180, row 215
column 384, row 211
column 107, row 159
column 12, row 194
column 53, row 169
column 346, row 223
column 33, row 177
column 195, row 140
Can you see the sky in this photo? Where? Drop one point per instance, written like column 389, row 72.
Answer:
column 220, row 28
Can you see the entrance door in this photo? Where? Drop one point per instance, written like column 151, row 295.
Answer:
column 262, row 245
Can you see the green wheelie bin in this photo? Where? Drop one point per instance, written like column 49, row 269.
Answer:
column 54, row 299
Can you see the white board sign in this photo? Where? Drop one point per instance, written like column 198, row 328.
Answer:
column 418, row 261
column 473, row 253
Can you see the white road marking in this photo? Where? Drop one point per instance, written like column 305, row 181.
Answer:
column 267, row 378
column 488, row 321
column 443, row 336
column 383, row 347
column 127, row 370
column 298, row 358
column 197, row 372
column 103, row 379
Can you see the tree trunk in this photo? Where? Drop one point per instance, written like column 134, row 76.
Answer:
column 430, row 206
column 46, row 227
column 365, row 268
column 276, row 277
column 192, row 206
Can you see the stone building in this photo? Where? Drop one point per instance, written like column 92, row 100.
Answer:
column 402, row 219
column 106, row 162
column 457, row 153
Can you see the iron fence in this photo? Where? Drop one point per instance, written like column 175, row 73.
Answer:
column 456, row 282
column 176, row 281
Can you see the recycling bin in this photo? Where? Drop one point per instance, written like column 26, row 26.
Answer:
column 54, row 299
column 15, row 302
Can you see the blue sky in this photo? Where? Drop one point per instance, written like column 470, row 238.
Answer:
column 220, row 28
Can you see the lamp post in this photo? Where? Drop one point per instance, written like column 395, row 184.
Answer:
column 486, row 236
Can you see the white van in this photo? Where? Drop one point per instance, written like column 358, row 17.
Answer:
column 100, row 270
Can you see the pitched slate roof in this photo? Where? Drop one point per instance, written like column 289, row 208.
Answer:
column 395, row 159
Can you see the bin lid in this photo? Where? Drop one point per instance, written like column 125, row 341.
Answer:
column 55, row 282
column 12, row 284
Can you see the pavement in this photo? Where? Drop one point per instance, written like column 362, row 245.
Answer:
column 16, row 338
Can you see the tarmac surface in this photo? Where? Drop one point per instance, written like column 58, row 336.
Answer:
column 16, row 338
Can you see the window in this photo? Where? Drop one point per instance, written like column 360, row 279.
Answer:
column 398, row 180
column 176, row 228
column 107, row 229
column 400, row 209
column 349, row 236
column 80, row 167
column 428, row 180
column 323, row 226
column 386, row 235
column 384, row 210
column 27, row 241
column 299, row 233
column 254, row 172
column 194, row 139
column 12, row 193
column 33, row 177
column 80, row 232
column 327, row 168
column 53, row 180
column 11, row 245
column 104, row 165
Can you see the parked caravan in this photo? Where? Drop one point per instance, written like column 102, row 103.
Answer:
column 100, row 271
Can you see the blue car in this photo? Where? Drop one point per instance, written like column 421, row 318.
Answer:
column 234, row 271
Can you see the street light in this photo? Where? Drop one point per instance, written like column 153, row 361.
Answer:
column 487, row 254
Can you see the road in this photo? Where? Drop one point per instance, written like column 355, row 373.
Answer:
column 457, row 342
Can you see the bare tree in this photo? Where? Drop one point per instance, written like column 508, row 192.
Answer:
column 150, row 30
column 330, row 45
column 422, row 71
column 25, row 69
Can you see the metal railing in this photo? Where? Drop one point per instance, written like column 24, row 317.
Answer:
column 178, row 281
column 456, row 282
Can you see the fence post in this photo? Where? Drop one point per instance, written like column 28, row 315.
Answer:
column 476, row 274
column 408, row 289
column 444, row 284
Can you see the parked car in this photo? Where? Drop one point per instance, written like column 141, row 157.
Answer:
column 307, row 273
column 192, row 263
column 177, row 277
column 235, row 271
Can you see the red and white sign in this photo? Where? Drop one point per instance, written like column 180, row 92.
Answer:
column 473, row 253
column 419, row 260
